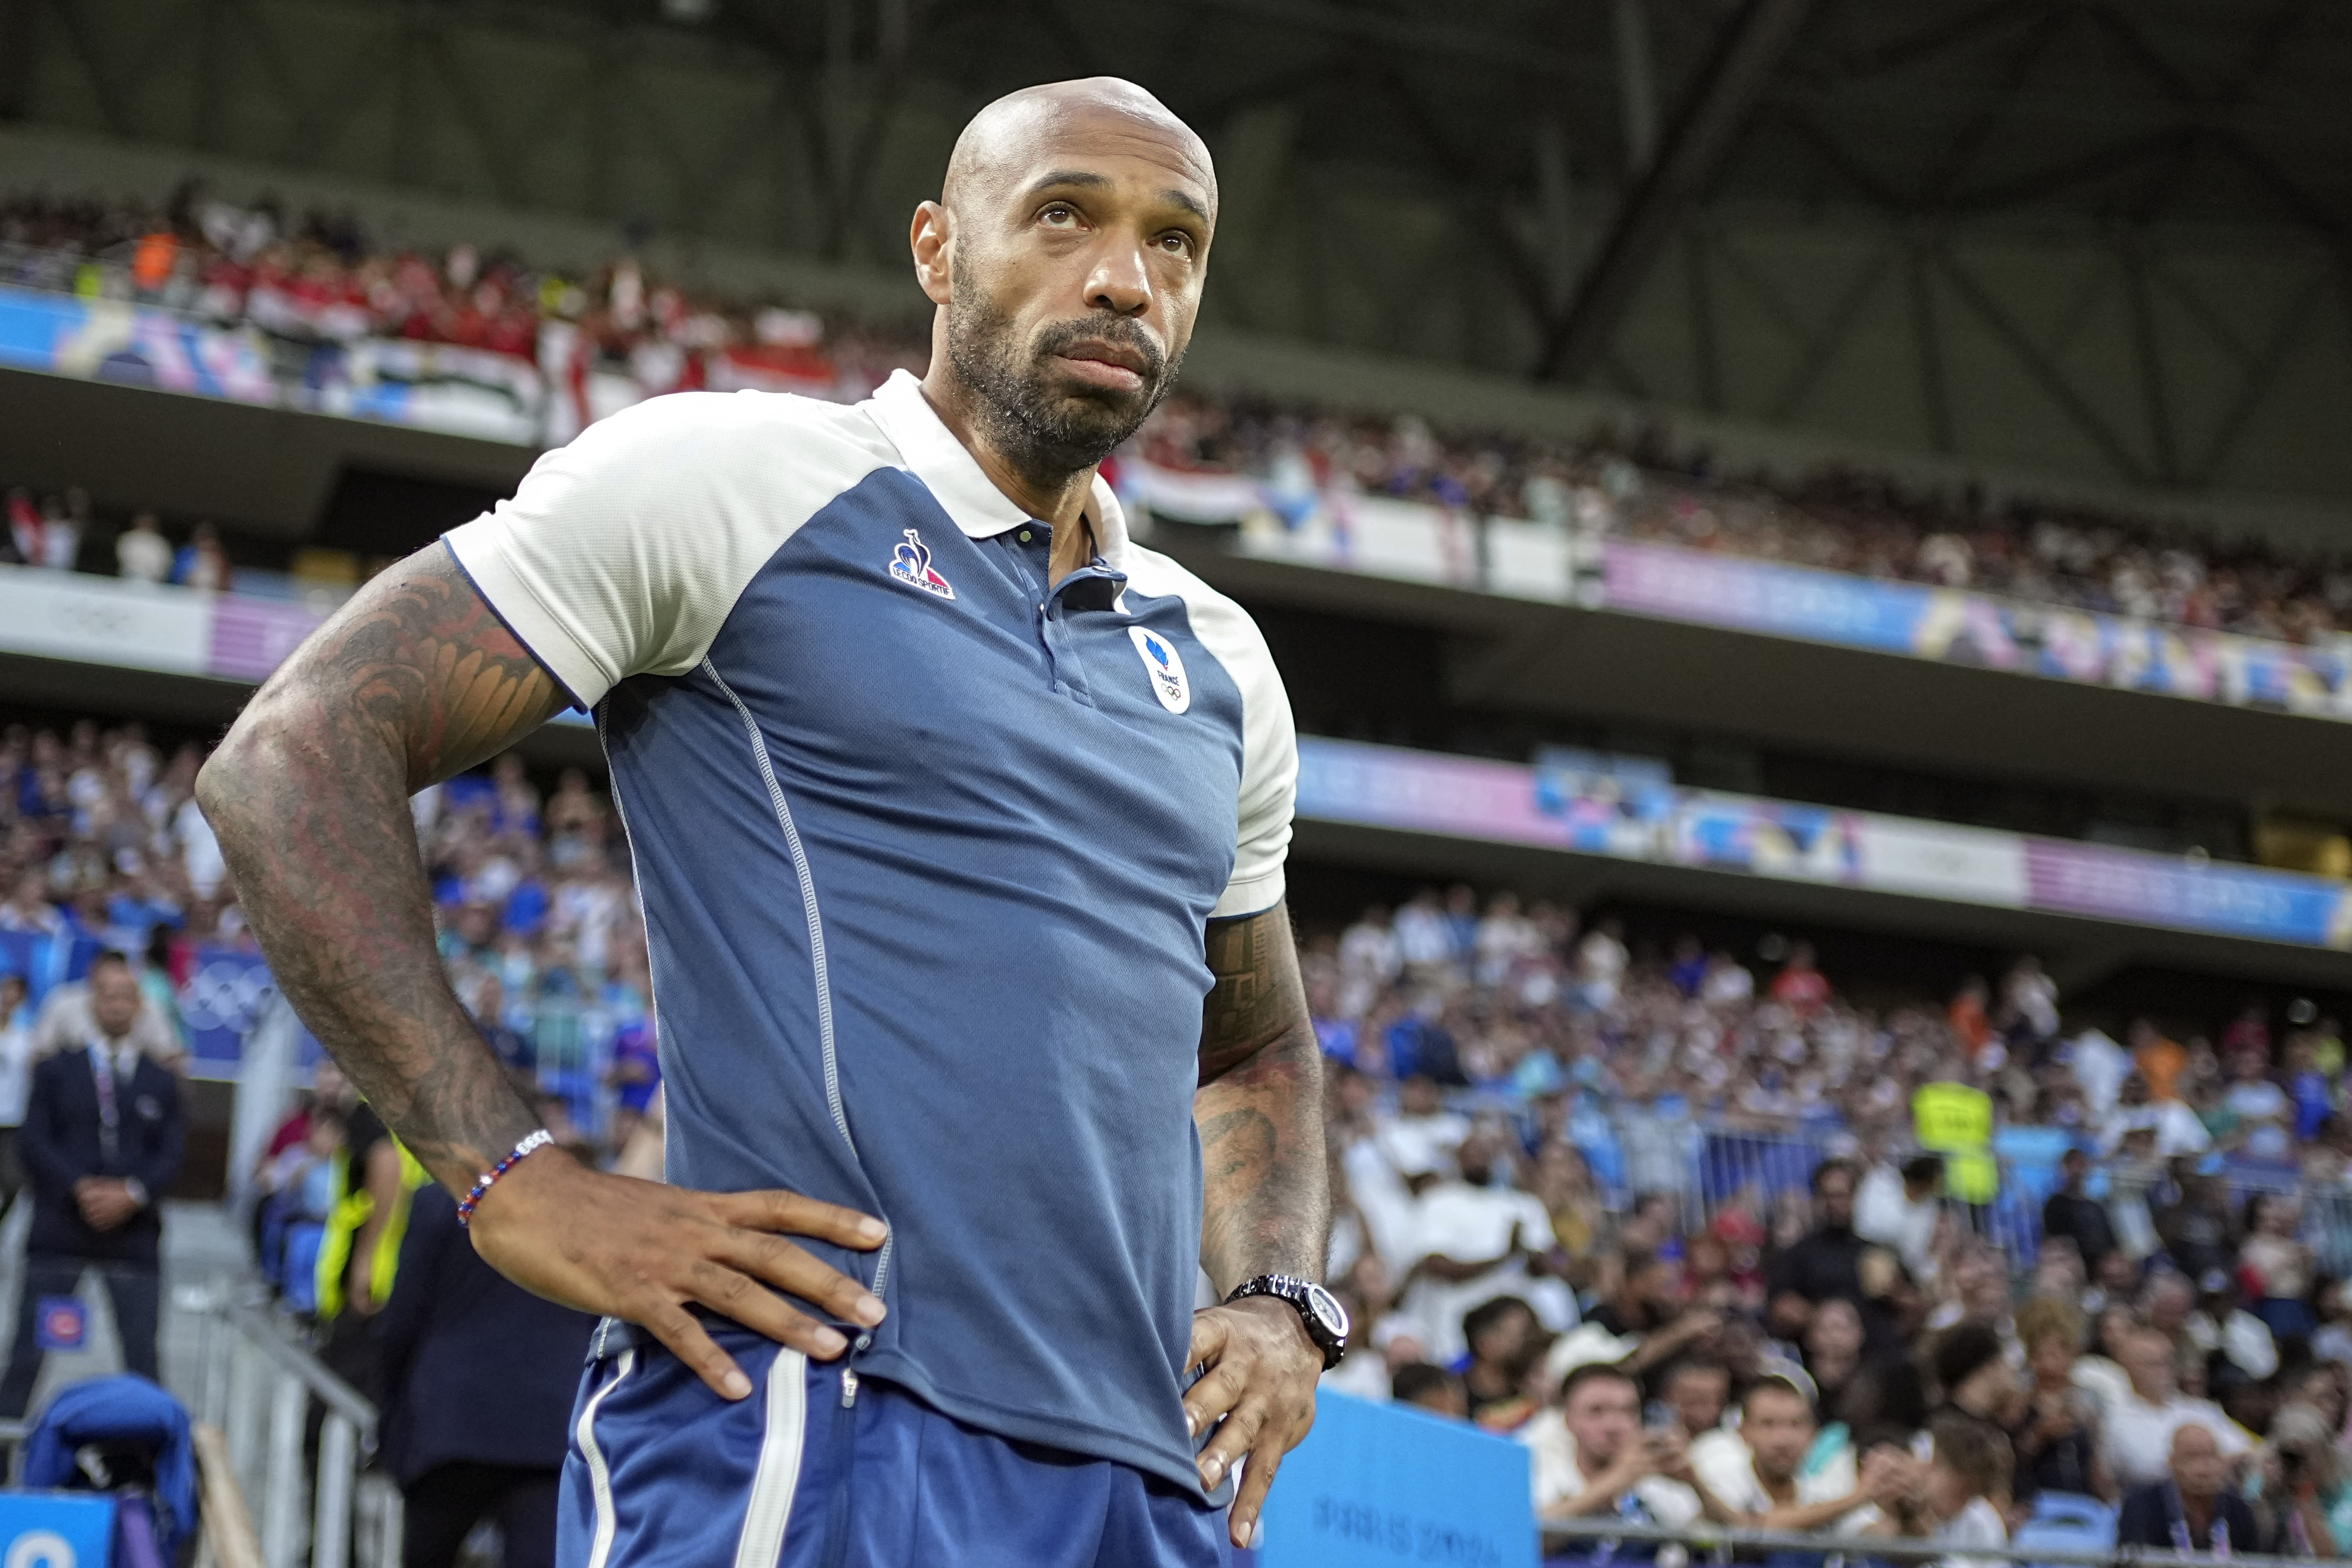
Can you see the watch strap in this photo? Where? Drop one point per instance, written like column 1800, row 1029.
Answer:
column 1299, row 1294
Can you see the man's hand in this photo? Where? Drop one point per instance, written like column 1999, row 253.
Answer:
column 105, row 1204
column 641, row 1251
column 1261, row 1376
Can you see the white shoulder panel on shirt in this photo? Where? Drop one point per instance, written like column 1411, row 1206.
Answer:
column 1269, row 742
column 622, row 553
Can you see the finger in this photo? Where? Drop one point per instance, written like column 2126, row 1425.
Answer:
column 793, row 1215
column 746, row 1301
column 1208, row 1339
column 686, row 1339
column 794, row 1270
column 1237, row 1436
column 1219, row 1390
column 1257, row 1476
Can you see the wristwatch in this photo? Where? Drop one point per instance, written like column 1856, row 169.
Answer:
column 1319, row 1308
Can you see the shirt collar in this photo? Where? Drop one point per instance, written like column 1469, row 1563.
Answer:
column 955, row 480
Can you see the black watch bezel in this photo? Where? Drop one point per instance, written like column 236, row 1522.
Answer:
column 1301, row 1295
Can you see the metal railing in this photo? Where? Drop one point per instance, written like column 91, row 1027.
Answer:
column 298, row 1438
column 1563, row 1537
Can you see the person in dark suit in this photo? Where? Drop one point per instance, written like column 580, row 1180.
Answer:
column 482, row 1375
column 2192, row 1510
column 104, row 1130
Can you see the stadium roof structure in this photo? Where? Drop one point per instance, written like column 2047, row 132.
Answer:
column 2103, row 240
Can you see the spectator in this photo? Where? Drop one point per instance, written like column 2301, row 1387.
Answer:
column 1968, row 1466
column 2139, row 1426
column 1767, row 1483
column 2198, row 1231
column 1800, row 987
column 481, row 1375
column 2279, row 1266
column 1597, row 1460
column 2303, row 1498
column 1472, row 1242
column 513, row 1052
column 1505, row 1343
column 101, row 1140
column 1697, row 1390
column 1899, row 1210
column 15, row 1082
column 2236, row 1345
column 2073, row 1213
column 2056, row 1437
column 1826, row 1263
column 1643, row 1309
column 2189, row 1509
column 142, row 553
column 1431, row 1388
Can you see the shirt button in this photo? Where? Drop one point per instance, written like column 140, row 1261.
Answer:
column 1024, row 535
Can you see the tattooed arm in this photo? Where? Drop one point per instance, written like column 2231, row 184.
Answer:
column 413, row 681
column 1265, row 1209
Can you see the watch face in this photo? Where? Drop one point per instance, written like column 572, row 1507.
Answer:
column 1327, row 1311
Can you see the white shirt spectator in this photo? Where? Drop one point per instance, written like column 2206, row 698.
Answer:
column 15, row 1067
column 2244, row 1338
column 1419, row 1146
column 142, row 554
column 1422, row 937
column 1558, row 1478
column 2138, row 1435
column 2100, row 1066
column 1455, row 1219
column 199, row 853
column 1979, row 1524
column 1727, row 1467
column 1885, row 1213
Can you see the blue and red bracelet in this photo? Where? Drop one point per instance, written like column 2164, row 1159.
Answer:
column 467, row 1205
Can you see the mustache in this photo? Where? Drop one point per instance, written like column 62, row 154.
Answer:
column 1119, row 332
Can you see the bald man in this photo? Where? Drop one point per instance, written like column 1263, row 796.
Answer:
column 959, row 821
column 2191, row 1509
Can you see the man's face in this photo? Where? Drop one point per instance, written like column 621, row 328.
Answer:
column 1077, row 268
column 2148, row 1362
column 115, row 999
column 1837, row 1201
column 1603, row 1415
column 2168, row 1305
column 1779, row 1427
column 1698, row 1396
column 2197, row 1467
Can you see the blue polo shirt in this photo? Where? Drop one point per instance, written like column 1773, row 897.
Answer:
column 926, row 848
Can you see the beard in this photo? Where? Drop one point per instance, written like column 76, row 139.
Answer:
column 1045, row 431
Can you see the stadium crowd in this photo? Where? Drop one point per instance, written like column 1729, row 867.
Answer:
column 313, row 284
column 1710, row 1235
column 1720, row 1242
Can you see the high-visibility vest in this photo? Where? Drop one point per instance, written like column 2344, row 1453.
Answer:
column 1956, row 1121
column 351, row 1211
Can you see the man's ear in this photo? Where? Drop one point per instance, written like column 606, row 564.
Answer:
column 930, row 237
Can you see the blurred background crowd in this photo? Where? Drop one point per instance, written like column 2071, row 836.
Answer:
column 314, row 284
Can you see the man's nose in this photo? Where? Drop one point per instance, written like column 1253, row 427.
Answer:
column 1119, row 281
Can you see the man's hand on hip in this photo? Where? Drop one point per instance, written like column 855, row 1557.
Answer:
column 641, row 1251
column 1261, row 1376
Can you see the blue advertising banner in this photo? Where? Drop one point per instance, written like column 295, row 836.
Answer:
column 1377, row 1485
column 56, row 1530
column 222, row 998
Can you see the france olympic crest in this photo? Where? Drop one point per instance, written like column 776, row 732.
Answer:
column 1166, row 668
column 910, row 563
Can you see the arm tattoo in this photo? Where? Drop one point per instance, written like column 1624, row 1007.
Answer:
column 1260, row 1109
column 411, row 681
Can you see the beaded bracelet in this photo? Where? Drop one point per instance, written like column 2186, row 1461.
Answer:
column 467, row 1205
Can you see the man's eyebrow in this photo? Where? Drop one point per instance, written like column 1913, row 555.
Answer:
column 1083, row 177
column 1186, row 200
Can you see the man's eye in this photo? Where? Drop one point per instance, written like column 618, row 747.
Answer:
column 1059, row 214
column 1176, row 245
